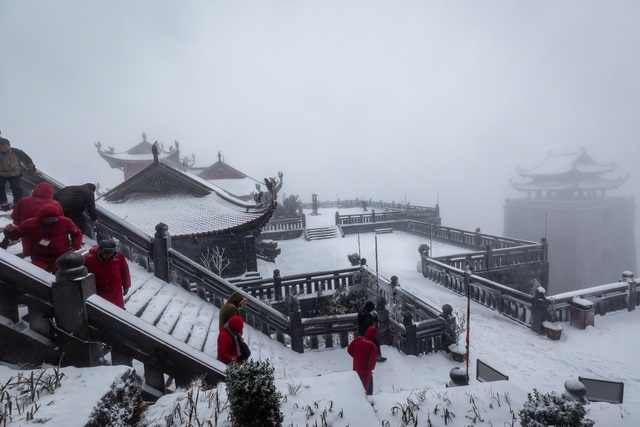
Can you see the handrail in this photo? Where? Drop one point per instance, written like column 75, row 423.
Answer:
column 129, row 335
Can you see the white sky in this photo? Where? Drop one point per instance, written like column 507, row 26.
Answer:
column 423, row 100
column 531, row 361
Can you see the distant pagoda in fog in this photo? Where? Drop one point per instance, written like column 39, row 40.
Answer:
column 222, row 174
column 591, row 236
column 139, row 157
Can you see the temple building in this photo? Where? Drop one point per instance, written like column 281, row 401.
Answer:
column 590, row 234
column 139, row 157
column 220, row 173
column 204, row 220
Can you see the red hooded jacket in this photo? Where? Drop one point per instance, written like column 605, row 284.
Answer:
column 48, row 241
column 28, row 207
column 228, row 340
column 364, row 353
column 112, row 275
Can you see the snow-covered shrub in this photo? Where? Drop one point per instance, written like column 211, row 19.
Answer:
column 552, row 409
column 423, row 250
column 354, row 259
column 253, row 398
column 119, row 405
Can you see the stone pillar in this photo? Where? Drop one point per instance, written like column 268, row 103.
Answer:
column 411, row 340
column 489, row 257
column 70, row 291
column 373, row 215
column 161, row 244
column 632, row 298
column 277, row 285
column 295, row 323
column 250, row 253
column 539, row 310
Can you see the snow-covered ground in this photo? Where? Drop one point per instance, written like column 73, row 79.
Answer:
column 327, row 388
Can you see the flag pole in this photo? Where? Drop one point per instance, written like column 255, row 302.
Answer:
column 376, row 240
column 469, row 271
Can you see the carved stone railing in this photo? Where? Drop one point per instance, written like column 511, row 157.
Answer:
column 74, row 326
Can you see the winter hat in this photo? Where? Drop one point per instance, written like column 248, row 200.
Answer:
column 48, row 210
column 369, row 306
column 43, row 190
column 91, row 187
column 4, row 141
column 107, row 246
column 236, row 324
column 372, row 333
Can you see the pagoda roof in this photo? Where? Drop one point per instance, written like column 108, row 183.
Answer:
column 188, row 204
column 568, row 171
column 586, row 183
column 140, row 153
column 560, row 164
column 232, row 180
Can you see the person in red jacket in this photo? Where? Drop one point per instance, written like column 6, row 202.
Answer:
column 50, row 235
column 364, row 353
column 28, row 207
column 111, row 271
column 231, row 347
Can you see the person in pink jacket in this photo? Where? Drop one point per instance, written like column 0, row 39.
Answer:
column 50, row 235
column 364, row 353
column 111, row 271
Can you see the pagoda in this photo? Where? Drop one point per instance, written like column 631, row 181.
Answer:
column 139, row 157
column 590, row 234
column 202, row 218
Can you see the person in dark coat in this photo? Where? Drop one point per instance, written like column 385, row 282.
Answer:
column 364, row 353
column 50, row 235
column 231, row 308
column 111, row 271
column 366, row 318
column 231, row 348
column 28, row 207
column 75, row 199
column 11, row 162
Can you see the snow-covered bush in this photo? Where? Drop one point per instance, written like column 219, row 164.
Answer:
column 253, row 398
column 354, row 258
column 423, row 250
column 119, row 406
column 552, row 409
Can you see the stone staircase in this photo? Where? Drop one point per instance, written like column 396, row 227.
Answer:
column 322, row 233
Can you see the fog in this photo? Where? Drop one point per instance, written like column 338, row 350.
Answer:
column 423, row 101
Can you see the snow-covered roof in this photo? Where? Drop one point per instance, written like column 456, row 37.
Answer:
column 581, row 183
column 560, row 164
column 188, row 204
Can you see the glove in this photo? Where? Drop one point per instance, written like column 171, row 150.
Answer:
column 125, row 291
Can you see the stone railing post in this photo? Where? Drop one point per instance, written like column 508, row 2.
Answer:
column 161, row 244
column 489, row 257
column 539, row 310
column 627, row 276
column 545, row 249
column 277, row 285
column 337, row 218
column 295, row 324
column 411, row 336
column 70, row 291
